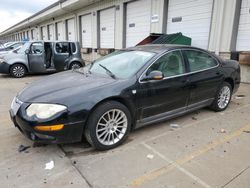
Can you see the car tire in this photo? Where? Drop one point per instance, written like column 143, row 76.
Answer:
column 18, row 70
column 222, row 98
column 75, row 65
column 108, row 125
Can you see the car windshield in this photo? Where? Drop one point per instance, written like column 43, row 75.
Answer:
column 7, row 44
column 14, row 46
column 23, row 48
column 122, row 64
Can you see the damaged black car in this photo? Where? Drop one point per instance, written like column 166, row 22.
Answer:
column 127, row 89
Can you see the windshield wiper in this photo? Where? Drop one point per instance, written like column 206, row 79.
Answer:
column 108, row 71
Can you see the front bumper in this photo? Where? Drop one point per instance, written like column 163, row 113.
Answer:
column 72, row 131
column 4, row 68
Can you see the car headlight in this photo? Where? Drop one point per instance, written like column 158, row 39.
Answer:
column 44, row 111
column 1, row 60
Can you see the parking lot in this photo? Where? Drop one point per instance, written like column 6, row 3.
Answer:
column 201, row 149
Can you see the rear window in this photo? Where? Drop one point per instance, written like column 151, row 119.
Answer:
column 73, row 47
column 62, row 47
column 199, row 60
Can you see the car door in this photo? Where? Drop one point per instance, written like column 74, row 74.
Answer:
column 61, row 53
column 36, row 57
column 204, row 77
column 167, row 95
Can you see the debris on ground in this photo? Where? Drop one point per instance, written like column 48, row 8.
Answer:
column 150, row 156
column 240, row 96
column 175, row 126
column 23, row 148
column 194, row 118
column 222, row 131
column 49, row 165
column 246, row 131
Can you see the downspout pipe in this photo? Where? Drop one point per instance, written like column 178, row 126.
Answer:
column 221, row 16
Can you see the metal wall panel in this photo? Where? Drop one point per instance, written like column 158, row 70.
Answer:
column 71, row 32
column 192, row 18
column 44, row 33
column 243, row 38
column 59, row 31
column 86, row 31
column 107, row 28
column 51, row 31
column 138, row 18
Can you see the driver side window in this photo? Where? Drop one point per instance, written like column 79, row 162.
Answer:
column 36, row 48
column 170, row 64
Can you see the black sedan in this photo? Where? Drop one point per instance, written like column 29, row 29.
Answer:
column 125, row 90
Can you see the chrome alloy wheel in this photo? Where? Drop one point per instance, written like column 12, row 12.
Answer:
column 18, row 71
column 111, row 127
column 224, row 97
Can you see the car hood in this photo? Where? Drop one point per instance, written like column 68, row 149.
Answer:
column 3, row 52
column 60, row 87
column 12, row 55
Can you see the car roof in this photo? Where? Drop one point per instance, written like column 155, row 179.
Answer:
column 159, row 48
column 51, row 41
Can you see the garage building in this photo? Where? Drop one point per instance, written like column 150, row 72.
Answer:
column 102, row 26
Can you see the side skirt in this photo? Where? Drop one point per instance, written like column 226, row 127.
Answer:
column 172, row 114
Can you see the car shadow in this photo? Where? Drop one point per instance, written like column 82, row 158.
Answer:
column 136, row 136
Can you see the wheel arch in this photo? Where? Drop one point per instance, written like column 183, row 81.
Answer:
column 121, row 100
column 230, row 81
column 19, row 63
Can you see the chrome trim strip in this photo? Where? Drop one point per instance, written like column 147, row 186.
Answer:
column 188, row 73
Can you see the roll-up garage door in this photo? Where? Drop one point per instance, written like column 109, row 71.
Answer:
column 44, row 33
column 32, row 34
column 192, row 18
column 86, row 31
column 51, row 32
column 36, row 34
column 107, row 28
column 71, row 35
column 59, row 31
column 243, row 38
column 137, row 21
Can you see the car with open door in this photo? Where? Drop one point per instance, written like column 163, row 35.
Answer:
column 41, row 57
column 124, row 90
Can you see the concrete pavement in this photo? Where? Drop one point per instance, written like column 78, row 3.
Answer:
column 208, row 149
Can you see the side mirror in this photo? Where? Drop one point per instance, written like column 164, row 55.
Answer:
column 27, row 51
column 154, row 75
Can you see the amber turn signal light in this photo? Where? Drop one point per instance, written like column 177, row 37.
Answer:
column 49, row 127
column 158, row 77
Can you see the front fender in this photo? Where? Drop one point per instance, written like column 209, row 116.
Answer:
column 92, row 99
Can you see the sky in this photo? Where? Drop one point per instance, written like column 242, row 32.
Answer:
column 14, row 11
